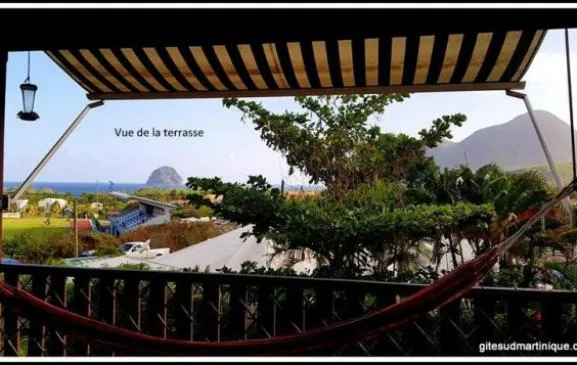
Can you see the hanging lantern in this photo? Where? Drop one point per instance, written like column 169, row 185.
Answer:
column 28, row 98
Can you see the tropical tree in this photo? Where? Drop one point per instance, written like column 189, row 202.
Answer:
column 330, row 139
column 377, row 207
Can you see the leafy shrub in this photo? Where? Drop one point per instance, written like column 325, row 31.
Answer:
column 130, row 206
column 193, row 212
column 37, row 246
column 103, row 250
column 41, row 246
column 176, row 235
column 89, row 239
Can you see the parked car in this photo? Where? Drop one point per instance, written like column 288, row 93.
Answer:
column 142, row 250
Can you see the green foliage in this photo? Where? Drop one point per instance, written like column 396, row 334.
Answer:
column 89, row 240
column 175, row 235
column 45, row 246
column 55, row 262
column 252, row 203
column 369, row 222
column 384, row 197
column 103, row 250
column 130, row 206
column 194, row 212
column 252, row 268
column 504, row 278
column 37, row 247
column 331, row 141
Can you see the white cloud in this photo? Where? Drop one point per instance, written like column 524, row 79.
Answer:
column 232, row 155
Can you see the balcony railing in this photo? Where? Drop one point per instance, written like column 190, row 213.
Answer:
column 217, row 307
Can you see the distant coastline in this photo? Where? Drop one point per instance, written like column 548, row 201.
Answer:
column 79, row 188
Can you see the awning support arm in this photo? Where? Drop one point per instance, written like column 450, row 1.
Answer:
column 570, row 92
column 552, row 166
column 54, row 148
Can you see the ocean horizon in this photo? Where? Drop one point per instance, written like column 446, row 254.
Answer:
column 79, row 188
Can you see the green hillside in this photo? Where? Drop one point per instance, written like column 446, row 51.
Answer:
column 565, row 170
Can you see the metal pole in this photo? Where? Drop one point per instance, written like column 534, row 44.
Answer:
column 570, row 90
column 54, row 148
column 76, row 227
column 552, row 166
column 3, row 64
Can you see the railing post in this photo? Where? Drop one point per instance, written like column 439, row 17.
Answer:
column 292, row 312
column 183, row 305
column 484, row 318
column 131, row 304
column 210, row 312
column 11, row 326
column 237, row 312
column 56, row 344
column 385, row 347
column 37, row 335
column 81, row 305
column 266, row 310
column 355, row 299
column 157, row 309
column 106, row 305
column 450, row 317
column 515, row 319
column 552, row 320
column 322, row 315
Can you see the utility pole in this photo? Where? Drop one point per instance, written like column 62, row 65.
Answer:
column 76, row 228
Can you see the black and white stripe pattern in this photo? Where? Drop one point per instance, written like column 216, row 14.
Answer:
column 440, row 62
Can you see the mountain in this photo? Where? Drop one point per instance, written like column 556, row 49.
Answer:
column 513, row 145
column 164, row 176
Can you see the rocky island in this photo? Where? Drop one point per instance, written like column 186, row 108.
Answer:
column 164, row 176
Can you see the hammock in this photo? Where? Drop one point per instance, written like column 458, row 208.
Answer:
column 444, row 291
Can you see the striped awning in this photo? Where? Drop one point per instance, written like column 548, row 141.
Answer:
column 377, row 64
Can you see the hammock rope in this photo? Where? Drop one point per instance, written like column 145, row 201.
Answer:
column 449, row 288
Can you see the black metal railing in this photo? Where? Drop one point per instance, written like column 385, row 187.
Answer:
column 217, row 307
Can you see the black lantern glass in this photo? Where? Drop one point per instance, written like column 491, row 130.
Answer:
column 28, row 98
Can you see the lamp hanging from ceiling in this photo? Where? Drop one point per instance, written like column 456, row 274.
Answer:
column 28, row 98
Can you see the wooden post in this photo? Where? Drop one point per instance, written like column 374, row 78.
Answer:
column 76, row 228
column 3, row 64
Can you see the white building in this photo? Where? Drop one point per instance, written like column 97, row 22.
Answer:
column 48, row 202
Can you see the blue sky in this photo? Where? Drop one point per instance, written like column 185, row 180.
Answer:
column 229, row 148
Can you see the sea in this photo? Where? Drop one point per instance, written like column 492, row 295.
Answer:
column 79, row 188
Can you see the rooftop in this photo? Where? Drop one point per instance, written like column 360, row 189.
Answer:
column 142, row 200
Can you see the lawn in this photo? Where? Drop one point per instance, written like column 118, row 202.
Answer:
column 11, row 227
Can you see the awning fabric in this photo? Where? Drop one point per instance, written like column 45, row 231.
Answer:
column 377, row 64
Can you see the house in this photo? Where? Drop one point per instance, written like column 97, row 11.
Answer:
column 49, row 202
